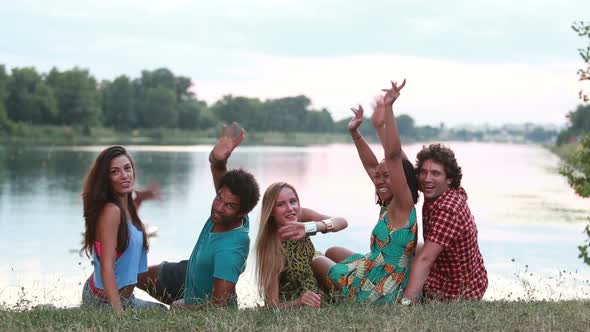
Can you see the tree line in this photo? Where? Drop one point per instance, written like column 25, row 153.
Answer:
column 156, row 99
column 160, row 99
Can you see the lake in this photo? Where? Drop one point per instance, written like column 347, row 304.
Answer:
column 530, row 221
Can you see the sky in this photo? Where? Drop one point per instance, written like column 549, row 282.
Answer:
column 466, row 62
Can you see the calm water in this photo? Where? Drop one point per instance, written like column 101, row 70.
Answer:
column 530, row 222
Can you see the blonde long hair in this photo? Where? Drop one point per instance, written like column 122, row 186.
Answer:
column 269, row 250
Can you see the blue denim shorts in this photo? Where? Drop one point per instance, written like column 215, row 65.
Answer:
column 89, row 299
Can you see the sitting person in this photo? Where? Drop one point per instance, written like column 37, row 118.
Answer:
column 219, row 256
column 450, row 265
column 381, row 275
column 284, row 251
column 114, row 234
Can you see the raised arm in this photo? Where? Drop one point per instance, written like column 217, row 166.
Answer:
column 365, row 153
column 392, row 145
column 227, row 142
column 323, row 224
column 386, row 127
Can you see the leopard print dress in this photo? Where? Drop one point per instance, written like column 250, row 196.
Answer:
column 297, row 276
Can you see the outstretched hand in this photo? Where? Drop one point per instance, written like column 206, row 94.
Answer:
column 292, row 231
column 151, row 192
column 393, row 93
column 228, row 141
column 357, row 120
column 378, row 117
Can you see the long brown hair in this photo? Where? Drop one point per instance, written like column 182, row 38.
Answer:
column 98, row 191
column 269, row 250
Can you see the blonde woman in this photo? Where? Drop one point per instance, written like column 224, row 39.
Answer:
column 284, row 250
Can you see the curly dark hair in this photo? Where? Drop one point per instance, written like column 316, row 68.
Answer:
column 442, row 155
column 242, row 184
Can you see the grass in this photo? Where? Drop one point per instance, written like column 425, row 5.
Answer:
column 460, row 316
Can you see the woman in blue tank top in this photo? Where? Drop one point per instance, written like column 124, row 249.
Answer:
column 114, row 235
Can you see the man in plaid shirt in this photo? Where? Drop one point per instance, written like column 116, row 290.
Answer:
column 449, row 266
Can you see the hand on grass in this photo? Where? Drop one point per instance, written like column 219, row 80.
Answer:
column 310, row 299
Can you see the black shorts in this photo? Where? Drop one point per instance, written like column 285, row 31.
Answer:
column 171, row 277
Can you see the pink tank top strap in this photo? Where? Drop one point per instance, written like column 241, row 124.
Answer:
column 98, row 250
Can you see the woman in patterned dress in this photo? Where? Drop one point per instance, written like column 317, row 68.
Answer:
column 380, row 275
column 284, row 251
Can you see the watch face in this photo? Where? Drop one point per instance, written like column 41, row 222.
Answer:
column 310, row 228
column 406, row 301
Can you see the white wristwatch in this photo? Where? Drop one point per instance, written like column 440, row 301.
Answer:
column 310, row 228
column 405, row 301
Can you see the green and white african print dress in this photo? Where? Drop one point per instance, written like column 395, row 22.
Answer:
column 381, row 275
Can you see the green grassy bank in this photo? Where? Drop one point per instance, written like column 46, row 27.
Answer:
column 56, row 135
column 563, row 151
column 462, row 316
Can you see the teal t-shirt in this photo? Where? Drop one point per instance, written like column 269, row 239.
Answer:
column 216, row 255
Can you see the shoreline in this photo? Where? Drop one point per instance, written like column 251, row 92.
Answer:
column 105, row 136
column 73, row 136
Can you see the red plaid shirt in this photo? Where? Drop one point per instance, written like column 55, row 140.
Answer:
column 458, row 271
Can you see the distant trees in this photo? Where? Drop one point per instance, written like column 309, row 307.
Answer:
column 77, row 97
column 28, row 98
column 5, row 122
column 540, row 134
column 73, row 97
column 118, row 103
column 247, row 111
column 156, row 99
column 287, row 114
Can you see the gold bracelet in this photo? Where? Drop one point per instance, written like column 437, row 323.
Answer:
column 329, row 225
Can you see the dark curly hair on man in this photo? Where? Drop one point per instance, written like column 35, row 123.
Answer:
column 442, row 155
column 242, row 184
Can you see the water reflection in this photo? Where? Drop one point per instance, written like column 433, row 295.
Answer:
column 525, row 211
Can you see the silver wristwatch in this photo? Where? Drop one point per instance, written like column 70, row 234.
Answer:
column 405, row 301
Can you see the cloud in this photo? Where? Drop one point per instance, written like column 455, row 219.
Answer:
column 483, row 31
column 490, row 61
